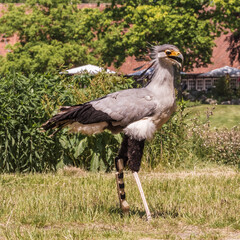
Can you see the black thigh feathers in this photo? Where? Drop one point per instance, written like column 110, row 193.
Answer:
column 131, row 152
column 83, row 113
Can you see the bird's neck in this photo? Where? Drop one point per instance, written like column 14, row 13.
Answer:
column 162, row 82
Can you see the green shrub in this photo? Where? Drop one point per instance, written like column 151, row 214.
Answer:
column 22, row 146
column 223, row 90
column 95, row 152
column 27, row 102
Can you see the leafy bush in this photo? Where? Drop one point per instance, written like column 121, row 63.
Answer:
column 27, row 102
column 223, row 89
column 95, row 152
column 22, row 146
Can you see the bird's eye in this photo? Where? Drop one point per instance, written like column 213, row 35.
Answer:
column 168, row 52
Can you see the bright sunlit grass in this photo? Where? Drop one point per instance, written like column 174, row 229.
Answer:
column 73, row 204
column 224, row 116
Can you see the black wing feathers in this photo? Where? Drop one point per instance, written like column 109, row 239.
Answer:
column 83, row 113
column 87, row 114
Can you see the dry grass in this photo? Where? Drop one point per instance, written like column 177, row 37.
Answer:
column 74, row 204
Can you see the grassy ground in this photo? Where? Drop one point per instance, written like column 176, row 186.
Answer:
column 73, row 204
column 223, row 115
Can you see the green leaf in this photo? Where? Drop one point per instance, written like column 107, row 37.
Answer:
column 95, row 162
column 81, row 147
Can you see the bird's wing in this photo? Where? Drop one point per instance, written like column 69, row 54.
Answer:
column 127, row 106
column 120, row 108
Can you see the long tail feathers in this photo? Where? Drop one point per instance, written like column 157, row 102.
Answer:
column 61, row 119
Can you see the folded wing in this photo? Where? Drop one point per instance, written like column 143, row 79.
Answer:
column 114, row 111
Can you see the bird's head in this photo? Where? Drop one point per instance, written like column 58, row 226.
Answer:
column 170, row 53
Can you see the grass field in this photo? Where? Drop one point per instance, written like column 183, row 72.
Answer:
column 73, row 204
column 223, row 115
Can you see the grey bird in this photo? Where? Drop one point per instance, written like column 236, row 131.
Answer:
column 138, row 113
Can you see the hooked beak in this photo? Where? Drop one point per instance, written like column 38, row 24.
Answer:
column 174, row 56
column 177, row 57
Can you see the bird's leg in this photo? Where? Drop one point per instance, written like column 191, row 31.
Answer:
column 120, row 186
column 120, row 162
column 135, row 152
column 135, row 174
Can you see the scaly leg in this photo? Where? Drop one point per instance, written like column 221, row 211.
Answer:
column 120, row 185
column 135, row 174
column 134, row 156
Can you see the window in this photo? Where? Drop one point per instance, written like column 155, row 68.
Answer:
column 208, row 84
column 191, row 84
column 200, row 84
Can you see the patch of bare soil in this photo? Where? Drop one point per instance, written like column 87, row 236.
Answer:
column 73, row 171
column 180, row 230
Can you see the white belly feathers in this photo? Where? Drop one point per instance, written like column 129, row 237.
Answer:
column 142, row 129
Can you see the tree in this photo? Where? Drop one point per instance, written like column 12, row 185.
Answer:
column 55, row 34
column 226, row 17
column 195, row 25
column 52, row 35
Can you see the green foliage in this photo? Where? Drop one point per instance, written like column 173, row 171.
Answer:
column 56, row 34
column 223, row 90
column 180, row 26
column 95, row 152
column 227, row 19
column 52, row 35
column 22, row 146
column 27, row 102
column 12, row 1
column 226, row 14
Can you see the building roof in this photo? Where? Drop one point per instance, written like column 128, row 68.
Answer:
column 92, row 69
column 221, row 72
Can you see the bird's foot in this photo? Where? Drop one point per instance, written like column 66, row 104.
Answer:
column 124, row 206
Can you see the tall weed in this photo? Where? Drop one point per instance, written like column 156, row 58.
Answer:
column 183, row 144
column 219, row 145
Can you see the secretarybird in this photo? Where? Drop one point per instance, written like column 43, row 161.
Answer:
column 138, row 113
